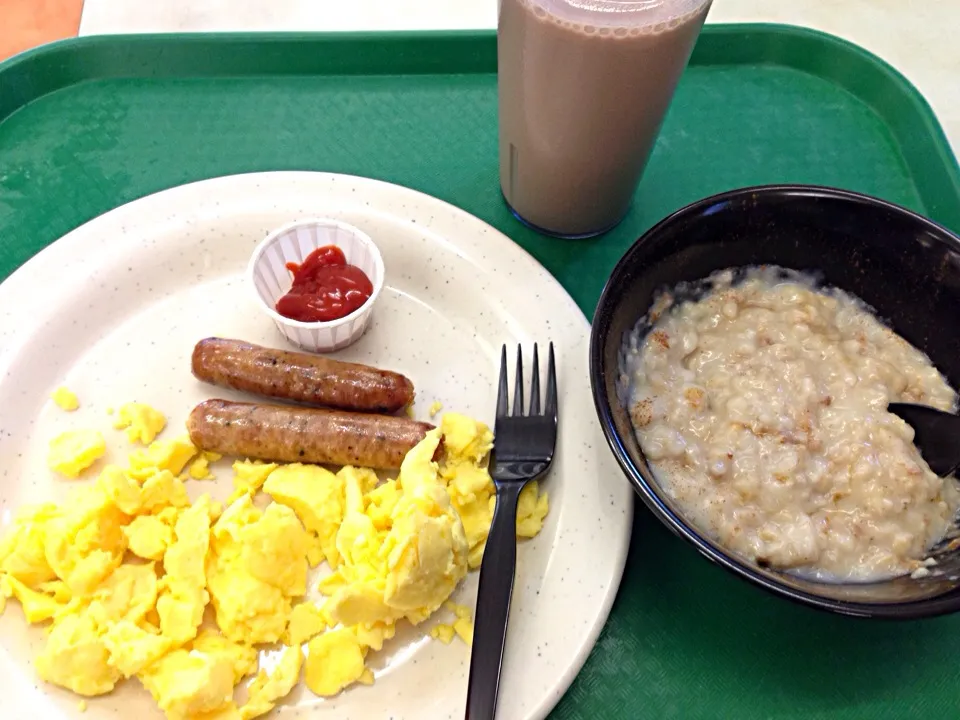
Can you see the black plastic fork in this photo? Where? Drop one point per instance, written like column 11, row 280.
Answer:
column 523, row 450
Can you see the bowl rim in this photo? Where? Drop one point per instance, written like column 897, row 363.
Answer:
column 937, row 605
column 262, row 246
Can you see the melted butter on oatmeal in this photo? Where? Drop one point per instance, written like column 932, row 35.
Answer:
column 762, row 410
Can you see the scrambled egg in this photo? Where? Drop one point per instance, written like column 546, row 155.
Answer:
column 135, row 581
column 316, row 495
column 200, row 468
column 306, row 621
column 149, row 536
column 142, row 422
column 257, row 565
column 471, row 490
column 170, row 455
column 73, row 451
column 462, row 626
column 181, row 604
column 65, row 399
column 334, row 661
column 249, row 476
column 266, row 690
column 190, row 683
column 409, row 565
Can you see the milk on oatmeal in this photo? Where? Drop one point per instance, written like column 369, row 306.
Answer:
column 762, row 411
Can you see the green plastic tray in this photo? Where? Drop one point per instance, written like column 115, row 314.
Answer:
column 89, row 124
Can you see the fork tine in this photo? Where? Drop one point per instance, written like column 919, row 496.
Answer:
column 550, row 409
column 535, row 384
column 503, row 398
column 518, row 385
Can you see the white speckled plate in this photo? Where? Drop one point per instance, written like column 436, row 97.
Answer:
column 113, row 310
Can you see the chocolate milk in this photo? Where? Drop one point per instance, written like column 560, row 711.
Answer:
column 584, row 86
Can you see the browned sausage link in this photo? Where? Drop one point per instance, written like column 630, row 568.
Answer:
column 297, row 434
column 300, row 377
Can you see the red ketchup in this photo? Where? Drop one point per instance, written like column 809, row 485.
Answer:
column 324, row 288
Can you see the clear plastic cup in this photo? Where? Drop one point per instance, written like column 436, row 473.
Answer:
column 584, row 86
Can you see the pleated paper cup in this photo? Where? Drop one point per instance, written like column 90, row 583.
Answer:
column 271, row 280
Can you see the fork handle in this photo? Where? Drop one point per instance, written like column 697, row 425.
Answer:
column 493, row 605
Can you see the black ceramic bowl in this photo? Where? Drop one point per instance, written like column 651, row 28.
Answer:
column 905, row 266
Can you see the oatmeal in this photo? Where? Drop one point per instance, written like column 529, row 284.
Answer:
column 762, row 410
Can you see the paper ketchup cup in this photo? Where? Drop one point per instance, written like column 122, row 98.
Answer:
column 271, row 280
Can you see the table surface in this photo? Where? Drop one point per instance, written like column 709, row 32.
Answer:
column 916, row 38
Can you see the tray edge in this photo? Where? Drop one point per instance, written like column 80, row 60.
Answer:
column 922, row 152
column 914, row 128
